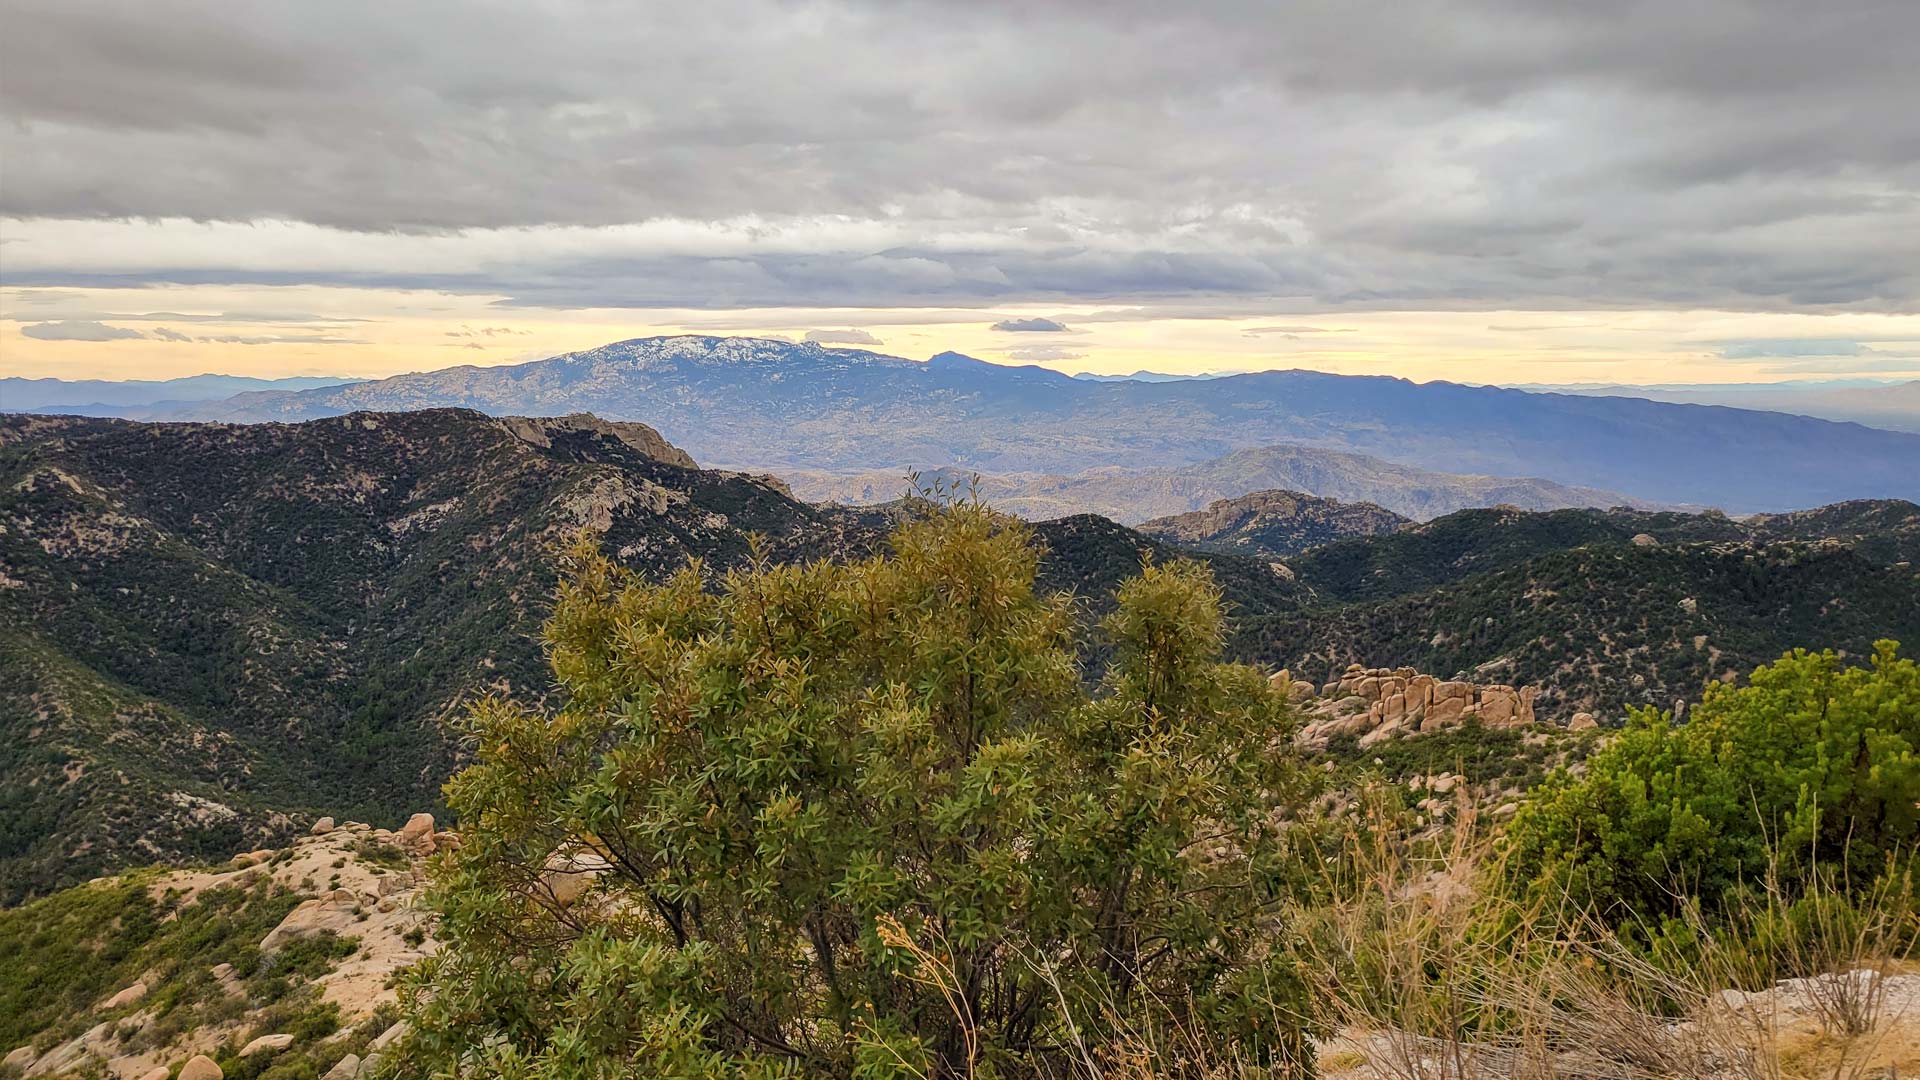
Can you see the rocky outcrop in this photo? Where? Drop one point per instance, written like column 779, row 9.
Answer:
column 132, row 995
column 1383, row 703
column 75, row 1052
column 354, row 881
column 1272, row 524
column 416, row 835
column 266, row 1044
column 542, row 431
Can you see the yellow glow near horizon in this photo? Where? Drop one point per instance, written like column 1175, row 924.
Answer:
column 171, row 331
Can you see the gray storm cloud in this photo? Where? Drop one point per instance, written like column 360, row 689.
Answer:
column 1748, row 154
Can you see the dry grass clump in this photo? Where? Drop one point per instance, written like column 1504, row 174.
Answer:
column 1432, row 972
column 1423, row 967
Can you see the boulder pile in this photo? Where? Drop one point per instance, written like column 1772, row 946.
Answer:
column 1384, row 703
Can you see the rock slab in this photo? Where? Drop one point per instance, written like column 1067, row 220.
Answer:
column 266, row 1044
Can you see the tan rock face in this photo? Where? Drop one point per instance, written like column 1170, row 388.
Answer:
column 1498, row 705
column 1386, row 730
column 1582, row 721
column 1442, row 713
column 307, row 919
column 1420, row 691
column 417, row 834
column 19, row 1057
column 253, row 858
column 130, row 996
column 201, row 1067
column 1383, row 703
column 73, row 1052
column 266, row 1044
column 322, row 827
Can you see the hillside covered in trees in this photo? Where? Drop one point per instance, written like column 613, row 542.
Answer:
column 211, row 633
column 214, row 633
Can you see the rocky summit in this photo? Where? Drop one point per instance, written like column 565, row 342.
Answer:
column 1273, row 524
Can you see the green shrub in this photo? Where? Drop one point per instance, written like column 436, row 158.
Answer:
column 311, row 956
column 867, row 820
column 380, row 855
column 1812, row 765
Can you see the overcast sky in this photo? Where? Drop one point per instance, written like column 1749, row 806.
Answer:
column 1485, row 190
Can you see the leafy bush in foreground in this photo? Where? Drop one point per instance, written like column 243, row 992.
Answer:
column 865, row 820
column 1813, row 763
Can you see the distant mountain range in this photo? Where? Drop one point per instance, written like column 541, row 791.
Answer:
column 139, row 397
column 1154, row 376
column 1131, row 496
column 776, row 406
column 1894, row 406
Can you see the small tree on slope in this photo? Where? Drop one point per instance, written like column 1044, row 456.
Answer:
column 865, row 820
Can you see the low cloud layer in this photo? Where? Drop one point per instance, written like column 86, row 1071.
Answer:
column 89, row 330
column 1749, row 155
column 1790, row 347
column 1034, row 325
column 842, row 337
column 78, row 330
column 1042, row 354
